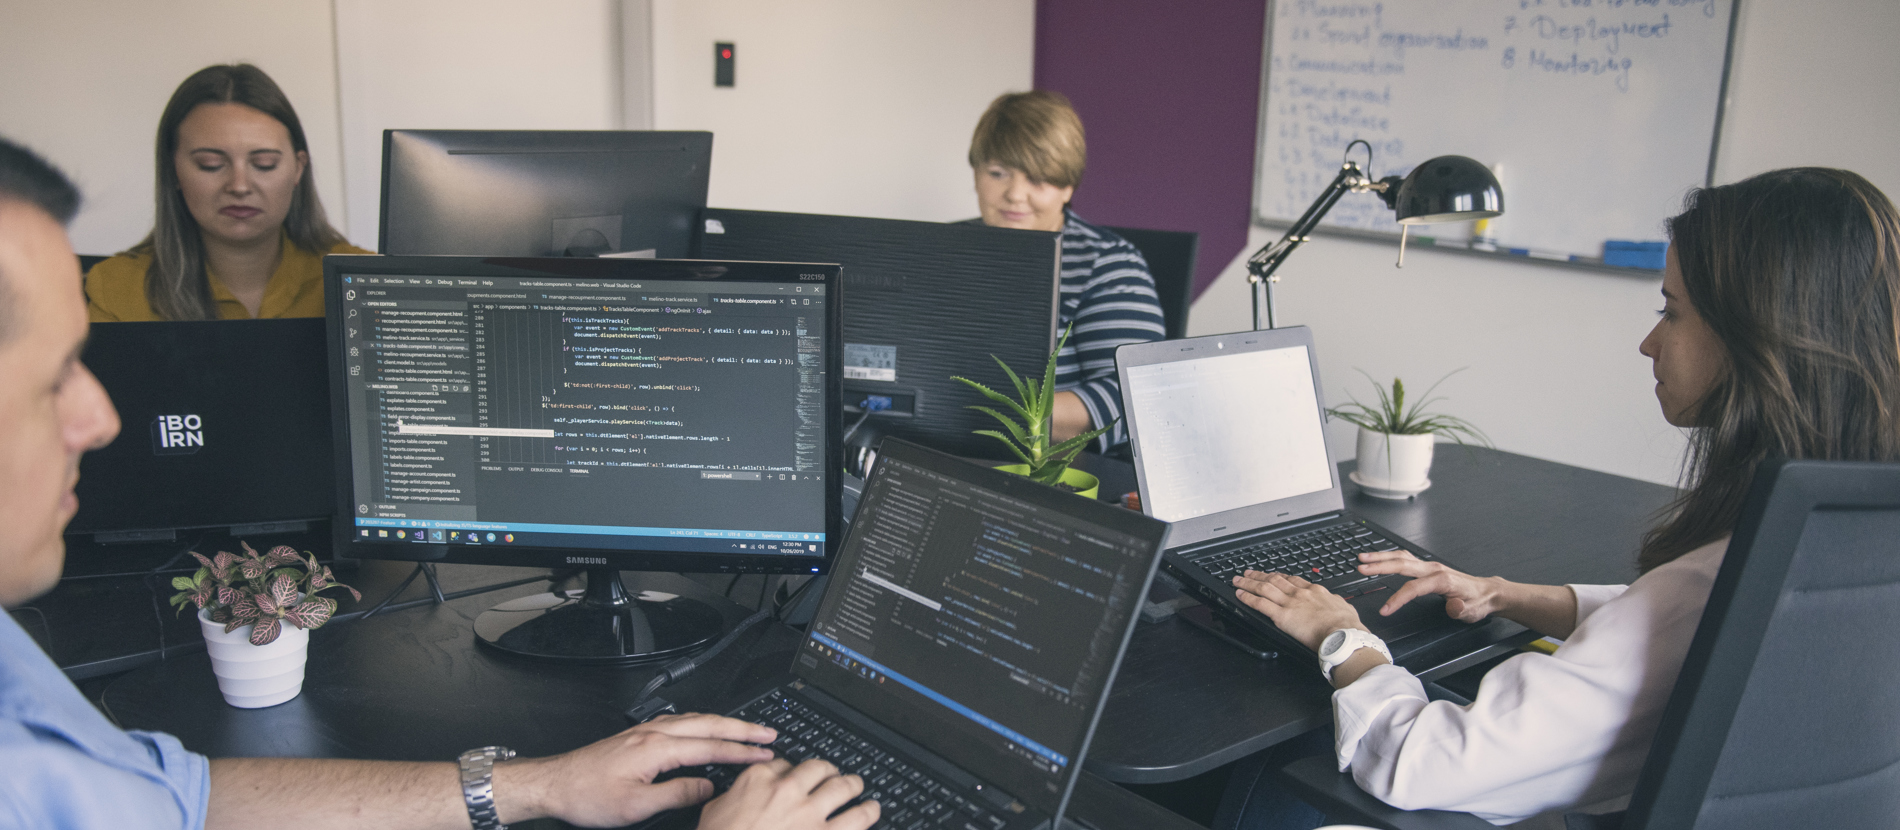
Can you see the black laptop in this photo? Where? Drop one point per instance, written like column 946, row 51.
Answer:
column 1229, row 444
column 224, row 424
column 966, row 643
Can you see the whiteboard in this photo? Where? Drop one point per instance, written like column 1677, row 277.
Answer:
column 1597, row 115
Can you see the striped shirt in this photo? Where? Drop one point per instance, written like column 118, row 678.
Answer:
column 1108, row 294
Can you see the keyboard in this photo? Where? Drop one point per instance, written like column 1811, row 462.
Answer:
column 1327, row 555
column 910, row 798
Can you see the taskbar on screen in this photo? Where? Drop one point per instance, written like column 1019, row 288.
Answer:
column 501, row 534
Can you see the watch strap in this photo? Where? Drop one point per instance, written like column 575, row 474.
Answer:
column 478, row 785
column 1352, row 640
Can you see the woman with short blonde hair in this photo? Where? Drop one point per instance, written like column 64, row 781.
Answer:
column 1028, row 155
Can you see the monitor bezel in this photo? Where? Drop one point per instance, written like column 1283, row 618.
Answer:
column 346, row 543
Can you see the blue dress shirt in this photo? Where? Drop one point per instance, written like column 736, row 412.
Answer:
column 66, row 766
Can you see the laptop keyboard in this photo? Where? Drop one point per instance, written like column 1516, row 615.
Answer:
column 1327, row 555
column 910, row 799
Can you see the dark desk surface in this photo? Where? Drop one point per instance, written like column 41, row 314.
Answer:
column 1186, row 703
column 411, row 685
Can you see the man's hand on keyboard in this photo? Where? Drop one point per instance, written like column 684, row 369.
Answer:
column 1467, row 598
column 609, row 783
column 1302, row 609
column 779, row 796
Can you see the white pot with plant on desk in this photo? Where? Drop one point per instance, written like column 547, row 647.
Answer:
column 1029, row 439
column 256, row 612
column 1395, row 441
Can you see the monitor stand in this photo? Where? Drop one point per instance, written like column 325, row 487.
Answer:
column 601, row 624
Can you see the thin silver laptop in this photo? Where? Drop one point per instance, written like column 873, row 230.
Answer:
column 1229, row 444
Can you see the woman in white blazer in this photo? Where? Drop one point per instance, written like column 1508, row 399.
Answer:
column 1777, row 338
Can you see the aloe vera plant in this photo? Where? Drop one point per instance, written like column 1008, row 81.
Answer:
column 263, row 590
column 1028, row 436
column 1393, row 417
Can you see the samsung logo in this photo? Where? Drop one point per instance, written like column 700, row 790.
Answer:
column 586, row 560
column 177, row 434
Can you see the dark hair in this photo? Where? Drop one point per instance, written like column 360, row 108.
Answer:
column 176, row 283
column 26, row 177
column 1797, row 272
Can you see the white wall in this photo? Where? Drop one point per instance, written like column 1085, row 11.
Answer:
column 87, row 79
column 1553, row 367
column 470, row 65
column 859, row 107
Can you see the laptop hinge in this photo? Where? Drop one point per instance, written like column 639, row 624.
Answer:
column 1275, row 530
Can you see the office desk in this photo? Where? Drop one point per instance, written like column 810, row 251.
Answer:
column 411, row 685
column 1186, row 703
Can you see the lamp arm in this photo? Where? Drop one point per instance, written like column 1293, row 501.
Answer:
column 1264, row 262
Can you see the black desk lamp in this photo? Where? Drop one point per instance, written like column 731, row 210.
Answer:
column 1444, row 189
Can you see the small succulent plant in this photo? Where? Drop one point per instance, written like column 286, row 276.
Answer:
column 1034, row 405
column 262, row 590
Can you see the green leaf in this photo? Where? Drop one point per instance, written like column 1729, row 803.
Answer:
column 998, row 397
column 1014, row 429
column 1006, row 442
column 184, row 583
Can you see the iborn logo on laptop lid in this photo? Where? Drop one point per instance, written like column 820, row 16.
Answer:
column 177, row 434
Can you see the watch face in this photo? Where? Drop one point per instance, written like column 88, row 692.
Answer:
column 1332, row 643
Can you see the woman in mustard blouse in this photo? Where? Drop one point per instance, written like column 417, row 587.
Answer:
column 239, row 232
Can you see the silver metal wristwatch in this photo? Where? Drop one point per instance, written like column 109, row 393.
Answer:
column 478, row 785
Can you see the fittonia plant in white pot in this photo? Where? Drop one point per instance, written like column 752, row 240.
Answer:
column 257, row 612
column 1395, row 441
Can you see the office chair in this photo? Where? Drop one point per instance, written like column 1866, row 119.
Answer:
column 1785, row 712
column 1170, row 256
column 86, row 261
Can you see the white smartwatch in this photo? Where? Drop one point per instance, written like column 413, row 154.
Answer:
column 1341, row 645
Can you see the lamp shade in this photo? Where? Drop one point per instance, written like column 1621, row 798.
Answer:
column 1448, row 189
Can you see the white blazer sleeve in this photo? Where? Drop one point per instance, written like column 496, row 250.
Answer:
column 1546, row 731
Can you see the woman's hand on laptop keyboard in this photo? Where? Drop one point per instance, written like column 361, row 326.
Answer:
column 1304, row 610
column 778, row 796
column 1467, row 598
column 1550, row 610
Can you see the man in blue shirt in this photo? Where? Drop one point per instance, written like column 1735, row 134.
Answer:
column 67, row 766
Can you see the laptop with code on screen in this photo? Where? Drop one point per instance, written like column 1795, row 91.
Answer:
column 966, row 644
column 1229, row 444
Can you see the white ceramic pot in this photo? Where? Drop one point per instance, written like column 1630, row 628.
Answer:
column 253, row 677
column 1393, row 466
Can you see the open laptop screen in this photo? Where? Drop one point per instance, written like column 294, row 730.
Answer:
column 1227, row 431
column 984, row 622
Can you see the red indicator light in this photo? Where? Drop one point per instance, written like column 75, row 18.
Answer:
column 725, row 53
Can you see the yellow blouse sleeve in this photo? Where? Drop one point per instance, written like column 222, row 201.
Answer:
column 115, row 290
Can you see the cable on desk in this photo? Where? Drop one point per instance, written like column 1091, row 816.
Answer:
column 452, row 595
column 646, row 706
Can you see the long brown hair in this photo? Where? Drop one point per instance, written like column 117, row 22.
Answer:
column 176, row 283
column 1798, row 274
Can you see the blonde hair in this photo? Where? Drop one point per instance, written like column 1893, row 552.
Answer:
column 1036, row 132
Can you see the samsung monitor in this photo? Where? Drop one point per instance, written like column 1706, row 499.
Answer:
column 606, row 414
column 924, row 302
column 542, row 193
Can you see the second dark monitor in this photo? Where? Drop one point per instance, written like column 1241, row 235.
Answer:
column 923, row 301
column 542, row 192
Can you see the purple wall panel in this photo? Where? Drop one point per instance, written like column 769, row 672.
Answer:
column 1170, row 95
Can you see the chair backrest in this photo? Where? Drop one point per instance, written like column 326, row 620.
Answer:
column 1170, row 256
column 1787, row 711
